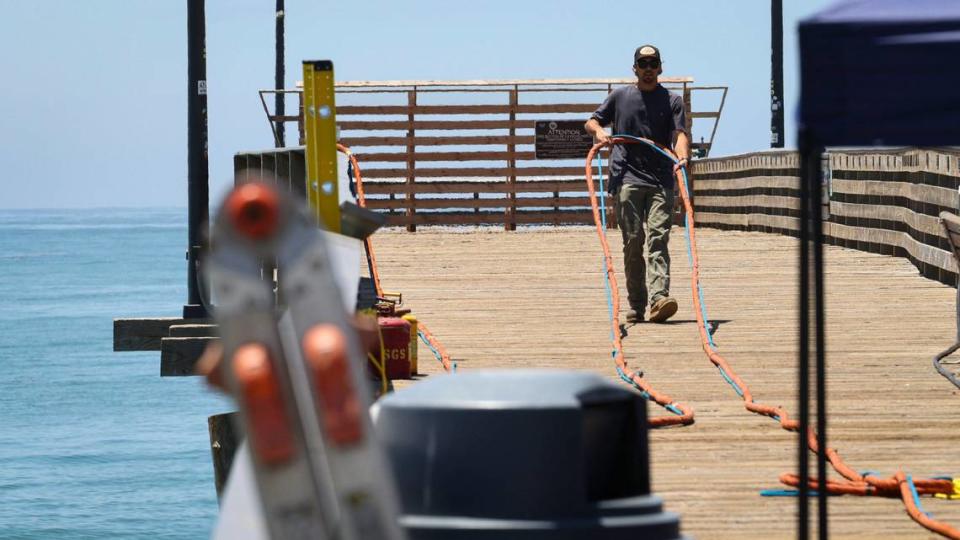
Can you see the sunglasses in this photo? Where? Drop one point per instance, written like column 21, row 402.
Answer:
column 648, row 64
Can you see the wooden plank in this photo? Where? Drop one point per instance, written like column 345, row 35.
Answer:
column 938, row 161
column 928, row 254
column 918, row 222
column 888, row 408
column 772, row 159
column 472, row 203
column 193, row 330
column 377, row 125
column 504, row 82
column 756, row 201
column 451, row 186
column 747, row 221
column 463, row 140
column 474, row 172
column 179, row 355
column 581, row 217
column 749, row 182
column 917, row 192
column 401, row 157
column 920, row 251
column 143, row 334
column 224, row 441
column 465, row 109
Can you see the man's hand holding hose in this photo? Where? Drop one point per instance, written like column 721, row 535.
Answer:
column 600, row 135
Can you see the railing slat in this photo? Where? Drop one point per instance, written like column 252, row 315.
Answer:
column 439, row 187
column 464, row 109
column 375, row 125
column 471, row 203
column 474, row 172
column 437, row 141
column 401, row 157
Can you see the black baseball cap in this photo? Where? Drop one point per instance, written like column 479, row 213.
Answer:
column 646, row 51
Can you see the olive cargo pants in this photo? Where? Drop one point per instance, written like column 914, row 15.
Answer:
column 639, row 208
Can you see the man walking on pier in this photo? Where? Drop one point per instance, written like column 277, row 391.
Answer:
column 642, row 181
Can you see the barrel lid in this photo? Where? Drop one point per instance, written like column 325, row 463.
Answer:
column 508, row 388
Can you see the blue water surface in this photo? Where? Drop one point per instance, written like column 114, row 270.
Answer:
column 93, row 443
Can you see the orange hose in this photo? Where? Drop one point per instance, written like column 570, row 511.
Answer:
column 686, row 418
column 854, row 483
column 920, row 517
column 444, row 357
column 375, row 273
column 362, row 201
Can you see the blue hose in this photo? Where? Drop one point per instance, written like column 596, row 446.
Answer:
column 606, row 280
column 916, row 496
column 436, row 353
column 686, row 225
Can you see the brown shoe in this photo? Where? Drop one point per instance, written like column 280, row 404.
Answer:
column 663, row 309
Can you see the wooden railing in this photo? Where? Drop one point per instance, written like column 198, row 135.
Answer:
column 879, row 201
column 462, row 152
column 884, row 202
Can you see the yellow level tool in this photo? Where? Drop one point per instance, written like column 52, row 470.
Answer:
column 321, row 144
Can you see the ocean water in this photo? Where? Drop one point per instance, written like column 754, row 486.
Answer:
column 93, row 443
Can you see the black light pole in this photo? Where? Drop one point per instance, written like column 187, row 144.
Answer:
column 279, row 107
column 803, row 376
column 816, row 202
column 197, row 174
column 776, row 74
column 812, row 294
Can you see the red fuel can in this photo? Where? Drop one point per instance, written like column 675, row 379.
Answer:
column 395, row 333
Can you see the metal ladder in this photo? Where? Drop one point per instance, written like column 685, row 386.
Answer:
column 297, row 374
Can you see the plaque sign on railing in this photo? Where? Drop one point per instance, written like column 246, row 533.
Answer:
column 561, row 139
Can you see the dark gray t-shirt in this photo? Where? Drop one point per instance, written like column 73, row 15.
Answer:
column 653, row 115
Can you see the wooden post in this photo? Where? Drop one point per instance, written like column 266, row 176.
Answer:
column 688, row 108
column 510, row 220
column 411, row 162
column 223, row 446
column 556, row 208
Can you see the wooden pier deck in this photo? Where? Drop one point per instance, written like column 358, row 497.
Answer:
column 536, row 298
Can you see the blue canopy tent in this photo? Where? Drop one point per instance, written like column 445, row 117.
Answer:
column 873, row 72
column 882, row 72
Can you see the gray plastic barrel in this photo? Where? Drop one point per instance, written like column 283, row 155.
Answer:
column 525, row 454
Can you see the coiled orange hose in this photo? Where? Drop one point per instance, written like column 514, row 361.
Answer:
column 854, row 483
column 686, row 416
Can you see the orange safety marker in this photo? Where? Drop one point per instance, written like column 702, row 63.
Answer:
column 270, row 434
column 325, row 350
column 253, row 208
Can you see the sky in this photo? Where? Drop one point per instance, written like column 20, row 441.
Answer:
column 93, row 97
